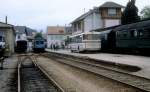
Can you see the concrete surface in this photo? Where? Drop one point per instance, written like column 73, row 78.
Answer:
column 7, row 75
column 77, row 80
column 141, row 61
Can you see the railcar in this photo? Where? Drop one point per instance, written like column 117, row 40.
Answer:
column 39, row 45
column 134, row 37
column 21, row 46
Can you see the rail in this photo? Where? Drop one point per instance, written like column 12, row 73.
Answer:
column 34, row 60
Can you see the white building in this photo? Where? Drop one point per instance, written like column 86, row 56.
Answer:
column 55, row 36
column 106, row 15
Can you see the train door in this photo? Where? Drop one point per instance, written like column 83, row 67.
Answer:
column 112, row 40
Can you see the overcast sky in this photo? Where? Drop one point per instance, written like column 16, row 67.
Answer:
column 38, row 14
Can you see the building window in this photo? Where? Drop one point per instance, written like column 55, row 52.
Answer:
column 112, row 12
column 79, row 26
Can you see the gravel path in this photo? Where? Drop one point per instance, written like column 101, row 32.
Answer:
column 76, row 80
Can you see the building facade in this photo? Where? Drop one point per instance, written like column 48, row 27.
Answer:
column 55, row 37
column 8, row 32
column 106, row 15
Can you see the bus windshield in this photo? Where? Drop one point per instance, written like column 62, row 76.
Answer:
column 91, row 37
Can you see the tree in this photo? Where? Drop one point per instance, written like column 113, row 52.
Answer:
column 38, row 35
column 130, row 13
column 145, row 12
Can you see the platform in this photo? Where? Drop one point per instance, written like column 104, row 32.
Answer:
column 140, row 61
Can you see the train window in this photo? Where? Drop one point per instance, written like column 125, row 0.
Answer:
column 148, row 33
column 41, row 42
column 133, row 33
column 37, row 42
column 140, row 32
column 124, row 33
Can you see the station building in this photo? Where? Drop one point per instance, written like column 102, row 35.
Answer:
column 106, row 15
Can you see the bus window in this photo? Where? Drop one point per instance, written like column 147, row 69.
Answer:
column 96, row 37
column 91, row 37
column 78, row 39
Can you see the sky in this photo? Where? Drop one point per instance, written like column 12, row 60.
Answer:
column 38, row 14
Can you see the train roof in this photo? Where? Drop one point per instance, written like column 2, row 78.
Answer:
column 137, row 25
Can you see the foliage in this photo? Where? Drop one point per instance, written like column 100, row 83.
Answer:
column 38, row 35
column 145, row 12
column 130, row 13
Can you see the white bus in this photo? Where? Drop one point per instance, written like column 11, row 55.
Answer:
column 85, row 42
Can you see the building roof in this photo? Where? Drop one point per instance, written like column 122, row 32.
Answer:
column 5, row 25
column 111, row 5
column 24, row 30
column 20, row 29
column 55, row 30
column 96, row 9
column 30, row 31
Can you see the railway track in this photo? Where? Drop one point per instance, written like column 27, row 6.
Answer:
column 32, row 78
column 140, row 83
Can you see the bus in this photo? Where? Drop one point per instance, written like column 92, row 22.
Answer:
column 85, row 42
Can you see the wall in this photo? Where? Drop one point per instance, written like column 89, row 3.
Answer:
column 53, row 39
column 22, row 37
column 111, row 22
column 10, row 40
column 92, row 21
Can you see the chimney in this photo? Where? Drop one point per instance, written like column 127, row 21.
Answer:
column 6, row 19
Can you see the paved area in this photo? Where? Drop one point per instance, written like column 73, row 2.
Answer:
column 140, row 61
column 7, row 75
